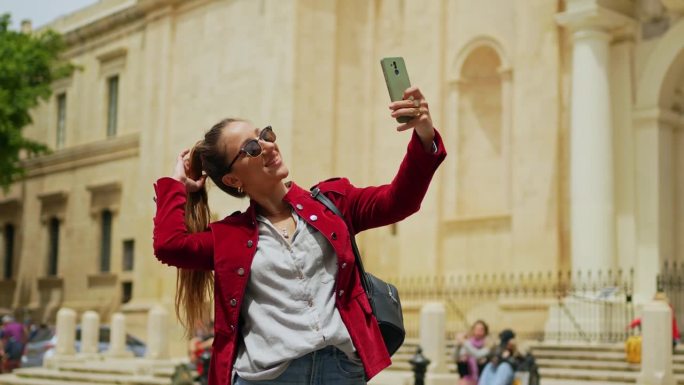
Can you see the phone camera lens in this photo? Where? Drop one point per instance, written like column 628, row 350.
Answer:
column 396, row 72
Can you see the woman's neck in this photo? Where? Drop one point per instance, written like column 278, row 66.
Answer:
column 270, row 203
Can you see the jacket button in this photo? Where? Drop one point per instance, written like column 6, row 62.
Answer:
column 232, row 328
column 344, row 264
column 313, row 218
column 241, row 272
column 341, row 293
column 233, row 302
column 299, row 206
column 250, row 243
column 333, row 236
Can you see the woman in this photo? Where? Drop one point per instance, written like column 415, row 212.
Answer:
column 472, row 353
column 289, row 306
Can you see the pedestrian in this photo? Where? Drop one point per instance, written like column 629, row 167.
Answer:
column 289, row 306
column 472, row 353
column 503, row 361
column 13, row 341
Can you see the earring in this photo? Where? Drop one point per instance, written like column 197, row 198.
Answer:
column 240, row 190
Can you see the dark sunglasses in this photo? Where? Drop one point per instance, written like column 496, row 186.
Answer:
column 252, row 147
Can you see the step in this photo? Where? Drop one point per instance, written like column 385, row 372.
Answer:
column 588, row 365
column 578, row 355
column 126, row 367
column 90, row 378
column 588, row 375
column 584, row 347
column 562, row 381
column 13, row 379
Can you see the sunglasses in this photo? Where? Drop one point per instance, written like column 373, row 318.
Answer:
column 252, row 147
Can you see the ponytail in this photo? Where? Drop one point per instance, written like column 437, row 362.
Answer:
column 194, row 288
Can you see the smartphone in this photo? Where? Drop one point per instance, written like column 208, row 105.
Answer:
column 397, row 80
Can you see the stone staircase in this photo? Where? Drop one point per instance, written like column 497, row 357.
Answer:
column 564, row 363
column 601, row 363
column 400, row 360
column 108, row 372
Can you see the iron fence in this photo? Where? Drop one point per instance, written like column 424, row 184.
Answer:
column 557, row 305
column 671, row 282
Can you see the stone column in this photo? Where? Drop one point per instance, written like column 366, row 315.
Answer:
column 592, row 206
column 655, row 203
column 90, row 332
column 656, row 347
column 433, row 335
column 158, row 333
column 66, row 332
column 117, row 337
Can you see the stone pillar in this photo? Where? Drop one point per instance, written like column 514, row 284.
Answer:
column 158, row 333
column 66, row 332
column 117, row 337
column 90, row 332
column 655, row 195
column 592, row 206
column 656, row 347
column 433, row 334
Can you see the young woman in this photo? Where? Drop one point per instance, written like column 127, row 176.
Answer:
column 472, row 353
column 289, row 306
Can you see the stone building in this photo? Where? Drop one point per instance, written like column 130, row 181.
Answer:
column 562, row 120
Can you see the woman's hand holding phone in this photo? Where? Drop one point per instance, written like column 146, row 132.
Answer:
column 414, row 106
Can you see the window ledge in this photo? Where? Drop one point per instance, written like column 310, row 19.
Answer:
column 7, row 284
column 50, row 283
column 481, row 221
column 102, row 279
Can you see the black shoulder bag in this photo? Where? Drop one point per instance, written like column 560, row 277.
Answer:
column 383, row 297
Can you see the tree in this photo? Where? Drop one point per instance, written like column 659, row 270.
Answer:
column 29, row 63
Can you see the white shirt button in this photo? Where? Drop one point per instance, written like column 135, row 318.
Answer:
column 299, row 206
column 313, row 218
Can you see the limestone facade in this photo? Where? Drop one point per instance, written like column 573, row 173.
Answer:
column 562, row 121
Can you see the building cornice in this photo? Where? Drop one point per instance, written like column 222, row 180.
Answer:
column 593, row 15
column 84, row 155
column 110, row 19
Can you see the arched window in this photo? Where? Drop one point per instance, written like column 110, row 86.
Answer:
column 479, row 126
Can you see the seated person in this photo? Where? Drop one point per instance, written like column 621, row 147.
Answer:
column 472, row 353
column 502, row 363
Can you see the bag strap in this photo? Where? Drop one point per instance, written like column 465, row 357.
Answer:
column 316, row 194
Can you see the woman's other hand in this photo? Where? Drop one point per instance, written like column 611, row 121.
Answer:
column 415, row 106
column 180, row 173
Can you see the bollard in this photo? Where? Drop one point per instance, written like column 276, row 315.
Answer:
column 157, row 333
column 117, row 337
column 432, row 332
column 419, row 364
column 90, row 332
column 66, row 332
column 656, row 351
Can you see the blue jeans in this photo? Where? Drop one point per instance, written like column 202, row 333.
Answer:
column 328, row 366
column 501, row 374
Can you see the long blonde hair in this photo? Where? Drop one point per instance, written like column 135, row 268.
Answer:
column 194, row 288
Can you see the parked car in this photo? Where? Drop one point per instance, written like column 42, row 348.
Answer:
column 38, row 344
column 39, row 349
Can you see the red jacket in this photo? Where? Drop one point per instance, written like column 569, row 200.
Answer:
column 229, row 245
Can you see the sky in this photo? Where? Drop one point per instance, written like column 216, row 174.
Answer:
column 40, row 12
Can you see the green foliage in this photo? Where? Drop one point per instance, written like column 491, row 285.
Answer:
column 29, row 63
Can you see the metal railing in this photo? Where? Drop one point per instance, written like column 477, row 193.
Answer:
column 671, row 282
column 563, row 306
